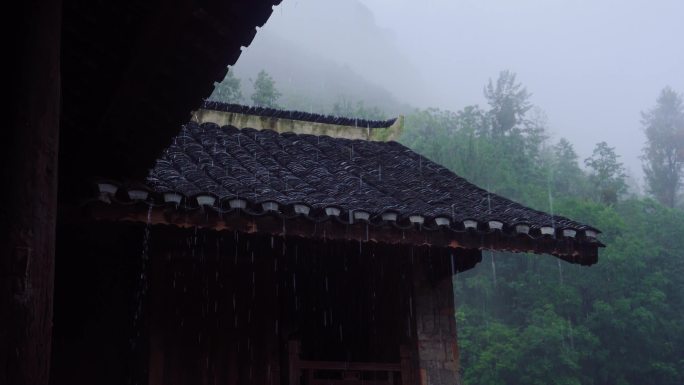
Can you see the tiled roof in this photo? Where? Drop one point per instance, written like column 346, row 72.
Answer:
column 323, row 179
column 320, row 171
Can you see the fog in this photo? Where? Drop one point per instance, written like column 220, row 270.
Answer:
column 592, row 66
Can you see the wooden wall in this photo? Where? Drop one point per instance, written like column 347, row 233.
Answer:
column 163, row 305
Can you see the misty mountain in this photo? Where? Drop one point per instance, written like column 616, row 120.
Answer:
column 311, row 76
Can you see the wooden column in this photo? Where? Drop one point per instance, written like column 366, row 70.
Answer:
column 28, row 200
column 436, row 343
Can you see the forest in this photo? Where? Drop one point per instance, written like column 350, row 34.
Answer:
column 534, row 319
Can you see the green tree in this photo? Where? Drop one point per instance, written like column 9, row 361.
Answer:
column 508, row 100
column 535, row 130
column 567, row 177
column 265, row 93
column 607, row 174
column 538, row 320
column 345, row 107
column 663, row 160
column 228, row 90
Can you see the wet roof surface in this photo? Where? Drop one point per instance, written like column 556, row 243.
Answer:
column 319, row 171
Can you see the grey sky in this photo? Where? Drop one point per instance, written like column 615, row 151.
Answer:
column 592, row 65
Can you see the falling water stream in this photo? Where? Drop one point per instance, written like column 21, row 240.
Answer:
column 553, row 224
column 141, row 291
column 491, row 253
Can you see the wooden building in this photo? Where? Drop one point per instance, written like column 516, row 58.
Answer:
column 95, row 87
column 224, row 286
column 252, row 256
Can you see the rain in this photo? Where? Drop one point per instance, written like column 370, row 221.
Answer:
column 344, row 192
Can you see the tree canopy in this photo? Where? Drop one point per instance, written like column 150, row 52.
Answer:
column 265, row 92
column 530, row 319
column 664, row 151
column 508, row 102
column 607, row 174
column 228, row 90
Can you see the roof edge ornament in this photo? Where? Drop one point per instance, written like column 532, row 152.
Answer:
column 237, row 203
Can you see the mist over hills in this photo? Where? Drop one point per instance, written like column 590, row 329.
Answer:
column 311, row 76
column 309, row 82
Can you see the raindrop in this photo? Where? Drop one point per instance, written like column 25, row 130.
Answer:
column 491, row 255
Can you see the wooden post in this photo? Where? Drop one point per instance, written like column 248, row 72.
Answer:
column 406, row 365
column 293, row 365
column 28, row 174
column 436, row 344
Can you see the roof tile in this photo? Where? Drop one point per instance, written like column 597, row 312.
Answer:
column 319, row 171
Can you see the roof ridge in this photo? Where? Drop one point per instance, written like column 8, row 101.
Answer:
column 296, row 115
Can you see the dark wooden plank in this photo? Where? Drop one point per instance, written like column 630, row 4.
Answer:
column 351, row 366
column 29, row 193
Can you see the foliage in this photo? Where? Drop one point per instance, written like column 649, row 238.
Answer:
column 607, row 173
column 228, row 90
column 345, row 107
column 664, row 151
column 528, row 319
column 508, row 100
column 567, row 178
column 265, row 92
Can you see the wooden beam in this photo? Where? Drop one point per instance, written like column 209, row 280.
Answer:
column 568, row 249
column 29, row 193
